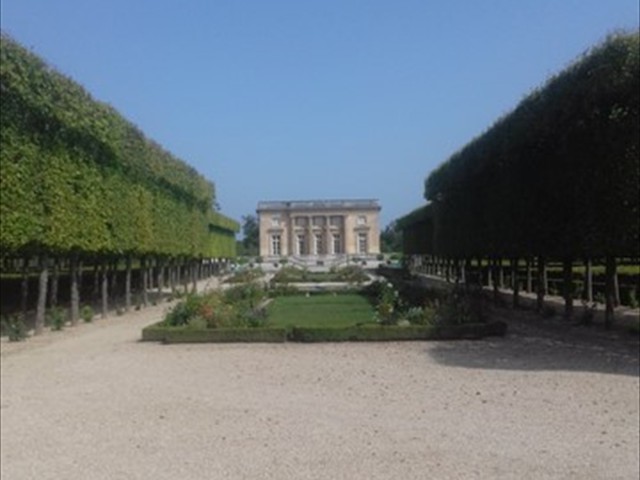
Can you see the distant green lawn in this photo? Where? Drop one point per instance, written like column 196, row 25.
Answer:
column 340, row 310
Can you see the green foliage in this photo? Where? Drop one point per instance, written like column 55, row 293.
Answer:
column 14, row 327
column 292, row 274
column 239, row 306
column 464, row 305
column 391, row 238
column 558, row 176
column 87, row 314
column 188, row 334
column 78, row 177
column 351, row 274
column 251, row 233
column 420, row 316
column 246, row 275
column 56, row 318
column 388, row 304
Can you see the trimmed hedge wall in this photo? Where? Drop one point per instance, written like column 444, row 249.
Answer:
column 76, row 176
column 80, row 184
column 555, row 179
column 558, row 176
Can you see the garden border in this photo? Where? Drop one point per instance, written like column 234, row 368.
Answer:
column 363, row 333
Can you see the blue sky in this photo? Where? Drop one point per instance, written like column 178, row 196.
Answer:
column 285, row 99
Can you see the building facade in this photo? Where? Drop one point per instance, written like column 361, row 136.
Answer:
column 319, row 228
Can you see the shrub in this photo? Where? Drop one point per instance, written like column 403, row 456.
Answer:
column 179, row 314
column 352, row 273
column 14, row 327
column 238, row 306
column 420, row 316
column 282, row 289
column 246, row 276
column 289, row 274
column 56, row 318
column 250, row 294
column 87, row 313
column 464, row 304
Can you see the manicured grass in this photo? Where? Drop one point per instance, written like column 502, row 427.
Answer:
column 327, row 310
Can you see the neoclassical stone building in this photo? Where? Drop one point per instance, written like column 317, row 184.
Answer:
column 319, row 228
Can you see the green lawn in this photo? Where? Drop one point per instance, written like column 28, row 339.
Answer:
column 340, row 310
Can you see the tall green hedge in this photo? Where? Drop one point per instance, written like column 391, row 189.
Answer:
column 78, row 177
column 558, row 176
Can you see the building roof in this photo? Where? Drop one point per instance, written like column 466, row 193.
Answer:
column 363, row 204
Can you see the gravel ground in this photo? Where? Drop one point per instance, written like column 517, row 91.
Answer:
column 93, row 402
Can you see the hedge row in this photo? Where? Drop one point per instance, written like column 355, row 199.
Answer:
column 80, row 184
column 558, row 176
column 77, row 177
column 163, row 333
column 365, row 333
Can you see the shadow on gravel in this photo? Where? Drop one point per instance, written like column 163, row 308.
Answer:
column 534, row 344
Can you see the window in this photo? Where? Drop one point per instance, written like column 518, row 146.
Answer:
column 318, row 244
column 301, row 241
column 300, row 221
column 362, row 243
column 275, row 245
column 362, row 220
column 335, row 221
column 318, row 221
column 275, row 221
column 337, row 243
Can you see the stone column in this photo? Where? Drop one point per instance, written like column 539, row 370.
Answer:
column 347, row 239
column 326, row 232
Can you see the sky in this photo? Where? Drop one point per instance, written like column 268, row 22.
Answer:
column 313, row 99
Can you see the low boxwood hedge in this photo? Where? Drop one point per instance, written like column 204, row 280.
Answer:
column 160, row 333
column 377, row 333
column 364, row 333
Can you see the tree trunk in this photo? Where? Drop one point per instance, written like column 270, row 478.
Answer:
column 610, row 296
column 541, row 284
column 143, row 278
column 587, row 291
column 515, row 284
column 80, row 277
column 24, row 294
column 567, row 274
column 172, row 275
column 160, row 276
column 105, row 289
column 96, row 281
column 113, row 279
column 194, row 277
column 500, row 274
column 186, row 272
column 42, row 295
column 616, row 289
column 53, row 291
column 529, row 276
column 496, row 281
column 127, row 285
column 74, row 310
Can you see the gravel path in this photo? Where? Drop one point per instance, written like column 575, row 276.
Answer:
column 94, row 403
